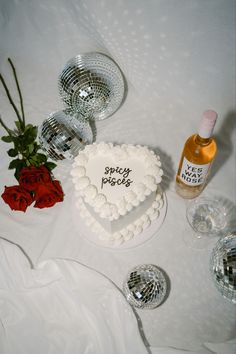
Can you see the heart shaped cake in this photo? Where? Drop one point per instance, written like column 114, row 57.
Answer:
column 117, row 189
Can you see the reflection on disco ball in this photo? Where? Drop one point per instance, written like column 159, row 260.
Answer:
column 223, row 266
column 92, row 84
column 63, row 134
column 145, row 286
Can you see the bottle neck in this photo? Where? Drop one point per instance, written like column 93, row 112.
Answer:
column 202, row 141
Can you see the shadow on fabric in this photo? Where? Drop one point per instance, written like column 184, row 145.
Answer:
column 224, row 142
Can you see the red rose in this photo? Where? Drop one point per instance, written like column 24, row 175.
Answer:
column 46, row 195
column 17, row 198
column 31, row 177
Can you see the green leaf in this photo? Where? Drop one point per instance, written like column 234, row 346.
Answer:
column 14, row 164
column 32, row 162
column 28, row 126
column 22, row 164
column 36, row 147
column 29, row 135
column 37, row 159
column 7, row 139
column 33, row 130
column 18, row 125
column 31, row 148
column 12, row 152
column 17, row 173
column 16, row 144
column 41, row 158
column 50, row 165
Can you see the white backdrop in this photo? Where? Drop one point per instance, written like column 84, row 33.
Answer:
column 178, row 57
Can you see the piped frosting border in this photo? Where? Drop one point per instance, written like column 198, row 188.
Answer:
column 127, row 233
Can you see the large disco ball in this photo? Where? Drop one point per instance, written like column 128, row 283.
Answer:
column 223, row 266
column 93, row 85
column 63, row 134
column 145, row 286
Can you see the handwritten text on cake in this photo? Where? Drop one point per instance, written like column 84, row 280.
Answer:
column 123, row 174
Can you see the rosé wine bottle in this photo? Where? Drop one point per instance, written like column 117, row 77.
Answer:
column 197, row 157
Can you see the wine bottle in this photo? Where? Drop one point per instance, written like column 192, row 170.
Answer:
column 197, row 157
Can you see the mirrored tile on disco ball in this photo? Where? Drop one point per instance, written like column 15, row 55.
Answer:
column 92, row 84
column 223, row 266
column 145, row 286
column 63, row 134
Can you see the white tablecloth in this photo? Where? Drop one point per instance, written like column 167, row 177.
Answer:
column 179, row 59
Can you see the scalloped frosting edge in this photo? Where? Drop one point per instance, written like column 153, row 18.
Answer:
column 127, row 233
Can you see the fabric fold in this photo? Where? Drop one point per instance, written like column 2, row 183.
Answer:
column 63, row 307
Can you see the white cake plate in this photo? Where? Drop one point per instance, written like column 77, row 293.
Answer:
column 138, row 240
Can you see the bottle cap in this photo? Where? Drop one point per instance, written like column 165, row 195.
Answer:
column 207, row 124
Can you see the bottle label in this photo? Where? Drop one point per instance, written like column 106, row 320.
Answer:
column 192, row 174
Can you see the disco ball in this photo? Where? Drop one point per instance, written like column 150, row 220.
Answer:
column 93, row 85
column 223, row 266
column 63, row 135
column 145, row 286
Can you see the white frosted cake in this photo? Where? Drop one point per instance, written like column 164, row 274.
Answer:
column 117, row 189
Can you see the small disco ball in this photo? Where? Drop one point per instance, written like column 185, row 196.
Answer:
column 145, row 286
column 62, row 135
column 93, row 85
column 223, row 266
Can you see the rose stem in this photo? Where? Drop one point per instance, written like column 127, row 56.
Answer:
column 5, row 127
column 10, row 99
column 19, row 91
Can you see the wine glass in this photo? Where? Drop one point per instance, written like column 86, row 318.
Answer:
column 209, row 218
